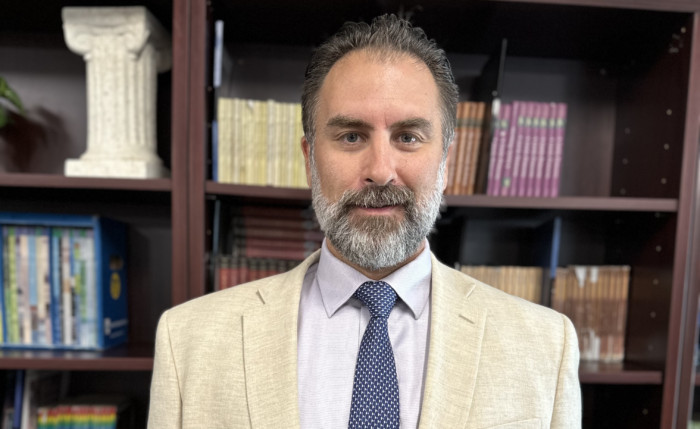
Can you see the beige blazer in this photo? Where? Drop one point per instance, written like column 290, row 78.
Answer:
column 229, row 359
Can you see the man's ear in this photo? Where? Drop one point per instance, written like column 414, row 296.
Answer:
column 306, row 148
column 447, row 165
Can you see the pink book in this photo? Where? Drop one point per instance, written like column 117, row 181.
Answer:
column 506, row 177
column 500, row 131
column 529, row 152
column 521, row 137
column 541, row 152
column 559, row 132
column 549, row 155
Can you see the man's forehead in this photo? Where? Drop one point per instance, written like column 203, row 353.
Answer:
column 363, row 87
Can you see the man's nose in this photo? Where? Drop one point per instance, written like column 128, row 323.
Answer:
column 380, row 163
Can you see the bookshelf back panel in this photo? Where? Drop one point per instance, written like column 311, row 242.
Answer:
column 149, row 243
column 621, row 407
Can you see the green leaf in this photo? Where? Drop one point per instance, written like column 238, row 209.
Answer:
column 3, row 117
column 9, row 94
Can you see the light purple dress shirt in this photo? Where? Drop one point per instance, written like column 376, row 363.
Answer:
column 330, row 329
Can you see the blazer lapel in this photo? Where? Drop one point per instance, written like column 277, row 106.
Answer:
column 456, row 331
column 270, row 351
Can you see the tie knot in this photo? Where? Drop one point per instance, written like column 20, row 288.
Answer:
column 379, row 297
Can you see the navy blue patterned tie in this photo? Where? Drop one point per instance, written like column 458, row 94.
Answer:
column 375, row 393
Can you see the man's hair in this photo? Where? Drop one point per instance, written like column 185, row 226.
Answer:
column 387, row 36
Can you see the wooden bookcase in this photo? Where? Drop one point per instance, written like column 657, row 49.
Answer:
column 628, row 69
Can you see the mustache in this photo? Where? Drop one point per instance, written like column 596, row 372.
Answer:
column 376, row 196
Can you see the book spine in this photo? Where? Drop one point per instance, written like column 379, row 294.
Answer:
column 25, row 316
column 44, row 287
column 451, row 163
column 56, row 317
column 496, row 117
column 500, row 139
column 301, row 163
column 506, row 177
column 538, row 183
column 291, row 150
column 93, row 324
column 521, row 145
column 66, row 288
column 271, row 134
column 33, row 287
column 534, row 150
column 476, row 147
column 222, row 147
column 13, row 301
column 550, row 152
column 5, row 279
column 234, row 136
column 560, row 132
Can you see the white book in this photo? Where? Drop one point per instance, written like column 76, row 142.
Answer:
column 66, row 288
column 89, row 334
column 43, row 289
column 291, row 152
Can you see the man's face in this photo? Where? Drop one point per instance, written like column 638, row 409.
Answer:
column 378, row 173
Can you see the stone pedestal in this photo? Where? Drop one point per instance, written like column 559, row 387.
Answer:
column 124, row 48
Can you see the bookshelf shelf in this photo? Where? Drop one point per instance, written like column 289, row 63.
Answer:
column 57, row 181
column 561, row 203
column 618, row 373
column 131, row 357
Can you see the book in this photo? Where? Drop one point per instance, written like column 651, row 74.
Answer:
column 537, row 171
column 477, row 148
column 559, row 132
column 506, row 176
column 500, row 140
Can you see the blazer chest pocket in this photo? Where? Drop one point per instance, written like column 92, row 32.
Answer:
column 522, row 424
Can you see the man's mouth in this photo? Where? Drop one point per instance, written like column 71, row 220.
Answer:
column 378, row 210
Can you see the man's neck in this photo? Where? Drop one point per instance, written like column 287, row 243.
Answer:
column 379, row 274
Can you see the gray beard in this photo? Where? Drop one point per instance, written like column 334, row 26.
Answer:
column 377, row 242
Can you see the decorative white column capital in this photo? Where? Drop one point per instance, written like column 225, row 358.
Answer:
column 124, row 48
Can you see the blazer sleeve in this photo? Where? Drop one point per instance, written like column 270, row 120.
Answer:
column 567, row 404
column 165, row 411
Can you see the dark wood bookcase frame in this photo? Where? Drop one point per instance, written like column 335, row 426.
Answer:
column 653, row 388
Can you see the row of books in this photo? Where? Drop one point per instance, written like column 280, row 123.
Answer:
column 64, row 282
column 523, row 282
column 595, row 299
column 468, row 148
column 264, row 241
column 258, row 143
column 34, row 401
column 235, row 270
column 49, row 286
column 527, row 149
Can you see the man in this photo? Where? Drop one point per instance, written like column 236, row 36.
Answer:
column 371, row 331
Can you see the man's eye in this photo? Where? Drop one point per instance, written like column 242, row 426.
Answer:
column 352, row 137
column 407, row 138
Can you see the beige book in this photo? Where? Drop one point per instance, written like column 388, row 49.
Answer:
column 279, row 140
column 624, row 273
column 300, row 172
column 291, row 152
column 237, row 150
column 461, row 181
column 261, row 143
column 477, row 126
column 224, row 149
column 460, row 146
column 271, row 134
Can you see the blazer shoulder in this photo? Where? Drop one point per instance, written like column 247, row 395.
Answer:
column 232, row 301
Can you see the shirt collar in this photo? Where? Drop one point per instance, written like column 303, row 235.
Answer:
column 339, row 281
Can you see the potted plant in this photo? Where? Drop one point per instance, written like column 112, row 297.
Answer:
column 8, row 96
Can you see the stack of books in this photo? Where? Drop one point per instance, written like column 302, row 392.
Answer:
column 523, row 282
column 34, row 401
column 595, row 299
column 258, row 143
column 264, row 241
column 526, row 150
column 58, row 291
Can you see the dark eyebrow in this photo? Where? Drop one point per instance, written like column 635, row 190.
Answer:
column 415, row 123
column 342, row 121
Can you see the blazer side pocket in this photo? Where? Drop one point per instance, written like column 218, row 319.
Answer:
column 521, row 424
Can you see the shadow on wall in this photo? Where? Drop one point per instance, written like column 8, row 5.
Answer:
column 37, row 130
